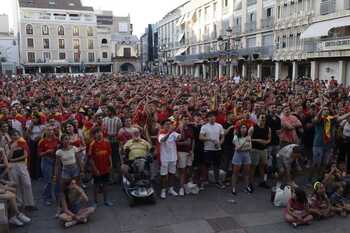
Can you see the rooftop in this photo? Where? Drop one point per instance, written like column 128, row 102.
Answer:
column 55, row 4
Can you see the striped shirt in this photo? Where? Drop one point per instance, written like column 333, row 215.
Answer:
column 112, row 124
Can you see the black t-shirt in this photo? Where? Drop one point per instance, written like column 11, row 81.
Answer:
column 274, row 124
column 260, row 133
column 308, row 136
column 198, row 144
column 228, row 145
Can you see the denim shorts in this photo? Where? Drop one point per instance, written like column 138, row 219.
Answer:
column 70, row 171
column 241, row 158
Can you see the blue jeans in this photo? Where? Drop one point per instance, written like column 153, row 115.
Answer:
column 47, row 169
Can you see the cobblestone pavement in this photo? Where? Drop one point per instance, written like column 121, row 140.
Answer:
column 213, row 211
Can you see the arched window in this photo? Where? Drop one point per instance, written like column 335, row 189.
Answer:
column 90, row 31
column 45, row 30
column 104, row 41
column 29, row 29
column 61, row 30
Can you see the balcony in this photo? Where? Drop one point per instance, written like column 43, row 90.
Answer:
column 251, row 2
column 250, row 27
column 327, row 7
column 267, row 23
column 330, row 44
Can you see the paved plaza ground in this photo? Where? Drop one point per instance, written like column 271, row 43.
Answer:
column 210, row 212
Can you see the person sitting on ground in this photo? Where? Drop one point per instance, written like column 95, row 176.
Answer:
column 297, row 211
column 320, row 206
column 16, row 217
column 338, row 202
column 287, row 163
column 72, row 203
column 134, row 148
column 333, row 178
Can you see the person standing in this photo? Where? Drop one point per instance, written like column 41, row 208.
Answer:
column 261, row 138
column 274, row 123
column 100, row 154
column 112, row 123
column 213, row 135
column 168, row 157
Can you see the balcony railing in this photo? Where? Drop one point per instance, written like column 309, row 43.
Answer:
column 251, row 2
column 60, row 17
column 250, row 27
column 327, row 7
column 267, row 23
column 330, row 44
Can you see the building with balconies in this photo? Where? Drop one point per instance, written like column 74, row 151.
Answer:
column 312, row 39
column 210, row 38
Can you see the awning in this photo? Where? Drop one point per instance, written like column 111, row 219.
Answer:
column 180, row 37
column 181, row 51
column 322, row 28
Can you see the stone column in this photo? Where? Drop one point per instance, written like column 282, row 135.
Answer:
column 98, row 69
column 244, row 71
column 277, row 70
column 342, row 72
column 197, row 71
column 295, row 71
column 314, row 70
column 39, row 70
column 259, row 71
column 220, row 70
column 232, row 69
column 204, row 72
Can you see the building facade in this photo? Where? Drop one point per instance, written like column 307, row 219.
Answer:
column 8, row 48
column 149, row 52
column 257, row 39
column 66, row 37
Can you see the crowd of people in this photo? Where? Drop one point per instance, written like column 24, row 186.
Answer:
column 67, row 131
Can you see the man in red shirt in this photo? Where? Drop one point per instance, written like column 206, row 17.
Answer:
column 100, row 154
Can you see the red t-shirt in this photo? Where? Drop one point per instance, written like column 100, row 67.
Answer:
column 48, row 144
column 100, row 152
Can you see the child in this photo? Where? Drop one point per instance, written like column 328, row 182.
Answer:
column 297, row 211
column 100, row 153
column 320, row 206
column 338, row 202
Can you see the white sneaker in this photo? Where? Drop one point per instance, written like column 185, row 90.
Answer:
column 182, row 192
column 70, row 224
column 23, row 218
column 163, row 194
column 15, row 221
column 172, row 192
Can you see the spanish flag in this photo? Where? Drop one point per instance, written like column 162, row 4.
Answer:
column 327, row 133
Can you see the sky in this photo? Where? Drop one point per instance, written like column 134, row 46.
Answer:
column 142, row 12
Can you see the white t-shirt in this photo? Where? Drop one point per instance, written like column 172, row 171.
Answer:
column 168, row 151
column 236, row 79
column 285, row 154
column 213, row 132
column 67, row 157
column 346, row 128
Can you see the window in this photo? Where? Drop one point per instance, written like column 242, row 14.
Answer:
column 61, row 30
column 269, row 12
column 62, row 56
column 29, row 29
column 252, row 17
column 251, row 42
column 90, row 44
column 123, row 27
column 46, row 43
column 225, row 3
column 31, row 57
column 61, row 44
column 45, row 30
column 104, row 55
column 104, row 41
column 91, row 57
column 30, row 43
column 75, row 31
column 214, row 10
column 127, row 52
column 46, row 56
column 90, row 31
column 76, row 57
column 76, row 44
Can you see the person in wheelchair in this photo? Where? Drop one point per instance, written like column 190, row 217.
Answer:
column 134, row 149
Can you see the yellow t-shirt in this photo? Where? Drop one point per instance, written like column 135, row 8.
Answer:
column 137, row 148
